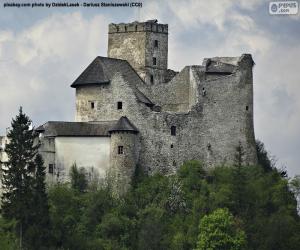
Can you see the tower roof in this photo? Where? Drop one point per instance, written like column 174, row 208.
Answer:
column 101, row 71
column 124, row 125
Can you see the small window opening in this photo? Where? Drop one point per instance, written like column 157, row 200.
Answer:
column 135, row 27
column 51, row 169
column 174, row 163
column 247, row 108
column 120, row 150
column 120, row 105
column 156, row 43
column 92, row 105
column 172, row 146
column 173, row 130
column 151, row 79
column 154, row 60
column 118, row 29
column 125, row 28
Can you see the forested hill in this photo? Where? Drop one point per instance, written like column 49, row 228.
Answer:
column 237, row 207
column 225, row 208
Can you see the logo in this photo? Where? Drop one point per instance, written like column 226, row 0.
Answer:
column 283, row 8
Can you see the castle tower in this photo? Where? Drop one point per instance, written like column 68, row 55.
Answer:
column 144, row 45
column 123, row 154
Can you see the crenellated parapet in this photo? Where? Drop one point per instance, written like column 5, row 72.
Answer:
column 150, row 25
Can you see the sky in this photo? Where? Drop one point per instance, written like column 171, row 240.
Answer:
column 43, row 50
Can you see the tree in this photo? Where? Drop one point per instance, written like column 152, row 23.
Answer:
column 18, row 172
column 38, row 233
column 8, row 239
column 219, row 230
column 239, row 181
column 78, row 178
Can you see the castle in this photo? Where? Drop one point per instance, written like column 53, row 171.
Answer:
column 131, row 110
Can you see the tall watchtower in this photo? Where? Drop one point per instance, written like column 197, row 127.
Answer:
column 144, row 45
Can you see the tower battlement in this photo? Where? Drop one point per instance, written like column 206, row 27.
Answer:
column 144, row 45
column 150, row 26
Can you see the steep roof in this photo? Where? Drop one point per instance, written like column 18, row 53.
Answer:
column 124, row 124
column 102, row 70
column 57, row 128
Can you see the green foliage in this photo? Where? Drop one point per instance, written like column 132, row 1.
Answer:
column 219, row 230
column 38, row 232
column 78, row 178
column 231, row 203
column 17, row 174
column 8, row 239
column 24, row 199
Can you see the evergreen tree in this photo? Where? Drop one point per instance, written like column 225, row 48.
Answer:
column 18, row 172
column 239, row 181
column 37, row 234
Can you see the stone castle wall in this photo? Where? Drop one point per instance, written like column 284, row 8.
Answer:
column 139, row 44
column 210, row 130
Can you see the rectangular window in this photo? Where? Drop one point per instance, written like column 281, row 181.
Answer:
column 92, row 105
column 120, row 150
column 154, row 60
column 173, row 130
column 151, row 79
column 120, row 105
column 156, row 43
column 51, row 168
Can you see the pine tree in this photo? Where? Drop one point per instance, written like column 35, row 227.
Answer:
column 239, row 180
column 18, row 172
column 38, row 234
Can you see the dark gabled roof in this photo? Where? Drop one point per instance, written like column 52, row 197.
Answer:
column 56, row 128
column 102, row 70
column 124, row 125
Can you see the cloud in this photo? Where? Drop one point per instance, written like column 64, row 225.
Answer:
column 38, row 65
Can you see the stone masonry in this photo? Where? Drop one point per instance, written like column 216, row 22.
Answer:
column 152, row 116
column 210, row 105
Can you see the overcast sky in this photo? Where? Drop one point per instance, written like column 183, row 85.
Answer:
column 42, row 51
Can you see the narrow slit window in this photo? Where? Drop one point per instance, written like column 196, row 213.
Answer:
column 120, row 105
column 135, row 27
column 247, row 108
column 125, row 28
column 120, row 150
column 151, row 79
column 156, row 43
column 154, row 60
column 173, row 130
column 51, row 169
column 92, row 105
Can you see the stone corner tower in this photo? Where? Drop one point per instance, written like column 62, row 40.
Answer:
column 144, row 45
column 124, row 154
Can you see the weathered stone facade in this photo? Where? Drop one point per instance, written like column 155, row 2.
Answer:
column 144, row 46
column 154, row 117
column 211, row 105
